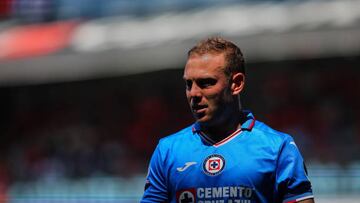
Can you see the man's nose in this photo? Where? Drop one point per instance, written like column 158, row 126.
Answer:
column 195, row 91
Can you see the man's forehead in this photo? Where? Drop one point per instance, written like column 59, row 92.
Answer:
column 192, row 72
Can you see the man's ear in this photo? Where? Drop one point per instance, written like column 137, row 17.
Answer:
column 237, row 83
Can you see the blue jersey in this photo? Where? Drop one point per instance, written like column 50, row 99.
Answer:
column 254, row 164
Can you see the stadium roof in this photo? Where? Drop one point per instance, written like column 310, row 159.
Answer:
column 122, row 45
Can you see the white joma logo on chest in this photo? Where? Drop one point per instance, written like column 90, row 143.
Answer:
column 186, row 166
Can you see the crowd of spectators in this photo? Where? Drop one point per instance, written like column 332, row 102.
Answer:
column 111, row 126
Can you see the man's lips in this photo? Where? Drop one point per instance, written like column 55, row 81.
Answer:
column 198, row 109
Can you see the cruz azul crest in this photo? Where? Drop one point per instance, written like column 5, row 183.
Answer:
column 213, row 164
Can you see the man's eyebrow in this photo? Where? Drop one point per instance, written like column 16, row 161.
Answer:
column 207, row 80
column 201, row 78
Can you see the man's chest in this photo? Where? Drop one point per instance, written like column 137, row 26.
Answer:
column 226, row 173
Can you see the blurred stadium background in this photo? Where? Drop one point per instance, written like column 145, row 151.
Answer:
column 88, row 87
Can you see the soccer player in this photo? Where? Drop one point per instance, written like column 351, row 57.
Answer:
column 226, row 156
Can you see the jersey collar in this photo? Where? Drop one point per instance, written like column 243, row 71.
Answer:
column 247, row 124
column 248, row 120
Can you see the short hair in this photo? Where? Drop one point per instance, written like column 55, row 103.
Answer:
column 234, row 58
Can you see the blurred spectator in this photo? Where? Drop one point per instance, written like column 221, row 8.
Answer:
column 33, row 11
column 5, row 8
column 150, row 118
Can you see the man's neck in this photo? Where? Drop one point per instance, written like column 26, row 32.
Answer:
column 220, row 131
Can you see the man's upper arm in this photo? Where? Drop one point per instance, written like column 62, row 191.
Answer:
column 292, row 182
column 155, row 186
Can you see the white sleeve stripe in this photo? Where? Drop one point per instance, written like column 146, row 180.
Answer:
column 298, row 199
column 306, row 197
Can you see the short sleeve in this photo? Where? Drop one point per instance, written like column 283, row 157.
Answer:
column 155, row 186
column 292, row 182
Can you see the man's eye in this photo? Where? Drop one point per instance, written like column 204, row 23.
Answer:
column 206, row 82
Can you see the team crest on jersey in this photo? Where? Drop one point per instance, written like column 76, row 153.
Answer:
column 213, row 164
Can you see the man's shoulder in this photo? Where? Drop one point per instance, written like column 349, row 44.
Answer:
column 259, row 128
column 268, row 132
